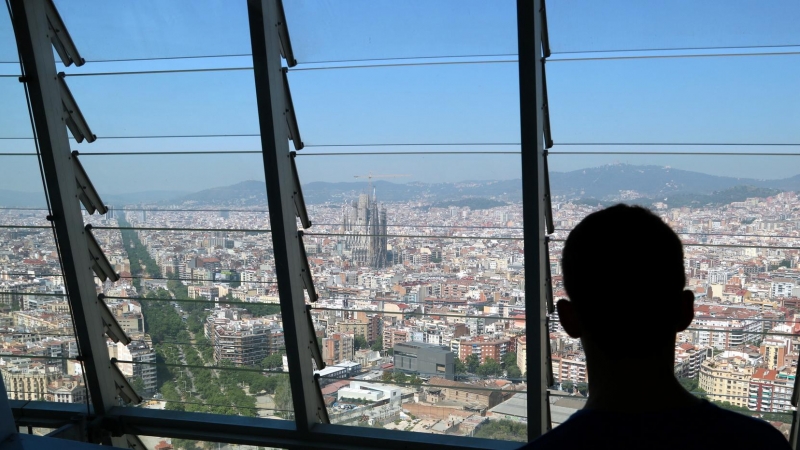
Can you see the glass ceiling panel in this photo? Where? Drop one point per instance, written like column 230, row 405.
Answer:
column 623, row 25
column 156, row 29
column 368, row 30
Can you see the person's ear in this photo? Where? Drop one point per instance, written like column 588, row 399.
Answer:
column 685, row 311
column 568, row 318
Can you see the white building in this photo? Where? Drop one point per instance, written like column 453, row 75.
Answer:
column 781, row 287
column 360, row 390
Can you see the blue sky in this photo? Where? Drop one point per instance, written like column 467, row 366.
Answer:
column 739, row 99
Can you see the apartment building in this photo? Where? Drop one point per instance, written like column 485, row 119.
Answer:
column 67, row 390
column 393, row 336
column 726, row 380
column 354, row 327
column 374, row 325
column 522, row 354
column 144, row 358
column 775, row 351
column 243, row 342
column 337, row 347
column 28, row 383
column 781, row 287
column 688, row 358
column 770, row 391
column 484, row 348
column 207, row 292
column 724, row 327
column 569, row 368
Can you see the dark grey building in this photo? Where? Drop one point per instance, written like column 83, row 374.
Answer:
column 426, row 360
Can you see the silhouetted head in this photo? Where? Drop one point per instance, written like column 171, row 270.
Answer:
column 624, row 274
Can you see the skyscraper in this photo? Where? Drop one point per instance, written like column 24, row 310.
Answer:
column 365, row 224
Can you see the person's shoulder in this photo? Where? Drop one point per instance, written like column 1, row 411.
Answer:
column 744, row 425
column 702, row 426
column 566, row 435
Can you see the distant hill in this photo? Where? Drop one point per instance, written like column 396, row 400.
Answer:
column 246, row 193
column 249, row 193
column 597, row 185
column 605, row 182
column 141, row 197
column 678, row 200
column 724, row 197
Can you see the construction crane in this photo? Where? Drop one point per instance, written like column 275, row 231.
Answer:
column 370, row 176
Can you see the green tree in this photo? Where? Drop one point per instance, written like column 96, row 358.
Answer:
column 138, row 385
column 513, row 371
column 690, row 384
column 378, row 344
column 505, row 430
column 489, row 368
column 186, row 444
column 509, row 359
column 273, row 362
column 472, row 363
column 360, row 342
column 400, row 377
column 567, row 386
column 583, row 388
column 460, row 367
column 283, row 396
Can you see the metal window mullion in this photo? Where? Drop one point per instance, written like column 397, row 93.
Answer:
column 795, row 430
column 36, row 51
column 529, row 37
column 265, row 29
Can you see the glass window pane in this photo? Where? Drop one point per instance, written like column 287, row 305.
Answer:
column 586, row 26
column 166, row 104
column 739, row 242
column 416, row 250
column 452, row 104
column 14, row 111
column 172, row 182
column 359, row 30
column 154, row 29
column 9, row 58
column 746, row 100
column 39, row 355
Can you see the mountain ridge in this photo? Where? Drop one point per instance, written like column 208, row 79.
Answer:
column 608, row 183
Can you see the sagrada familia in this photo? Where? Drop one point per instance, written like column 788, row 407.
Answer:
column 365, row 226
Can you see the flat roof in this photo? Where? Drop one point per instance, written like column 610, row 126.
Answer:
column 420, row 345
column 517, row 405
